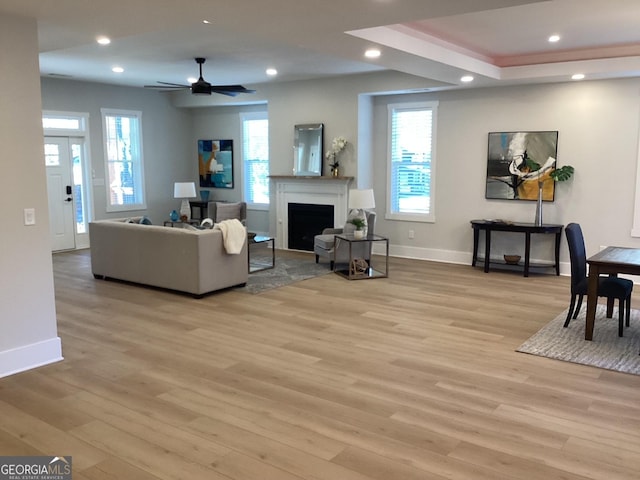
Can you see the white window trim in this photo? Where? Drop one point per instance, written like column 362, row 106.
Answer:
column 83, row 120
column 259, row 115
column 635, row 229
column 413, row 217
column 130, row 207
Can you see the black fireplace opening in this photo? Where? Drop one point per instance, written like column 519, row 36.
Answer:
column 306, row 220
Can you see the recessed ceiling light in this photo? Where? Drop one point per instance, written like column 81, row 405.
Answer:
column 103, row 40
column 206, row 22
column 554, row 38
column 577, row 76
column 372, row 53
column 117, row 69
column 467, row 78
column 271, row 72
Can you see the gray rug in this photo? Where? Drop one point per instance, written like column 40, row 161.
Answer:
column 606, row 350
column 286, row 271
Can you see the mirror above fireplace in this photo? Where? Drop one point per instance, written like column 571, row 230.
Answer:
column 307, row 149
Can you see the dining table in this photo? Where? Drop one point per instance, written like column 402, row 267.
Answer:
column 609, row 261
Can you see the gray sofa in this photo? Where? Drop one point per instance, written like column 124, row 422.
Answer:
column 186, row 260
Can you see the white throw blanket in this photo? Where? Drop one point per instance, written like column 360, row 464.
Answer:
column 233, row 234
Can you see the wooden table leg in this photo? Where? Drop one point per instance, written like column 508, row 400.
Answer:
column 558, row 253
column 487, row 249
column 592, row 300
column 476, row 235
column 527, row 253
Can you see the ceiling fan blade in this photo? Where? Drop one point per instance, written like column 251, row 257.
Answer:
column 167, row 86
column 227, row 89
column 174, row 84
column 164, row 87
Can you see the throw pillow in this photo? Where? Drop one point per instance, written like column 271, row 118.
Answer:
column 145, row 220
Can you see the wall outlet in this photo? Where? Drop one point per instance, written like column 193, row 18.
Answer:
column 29, row 216
column 412, row 234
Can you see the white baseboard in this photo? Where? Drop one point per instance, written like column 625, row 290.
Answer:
column 31, row 356
column 445, row 256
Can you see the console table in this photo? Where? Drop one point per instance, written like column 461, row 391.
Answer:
column 489, row 226
column 200, row 204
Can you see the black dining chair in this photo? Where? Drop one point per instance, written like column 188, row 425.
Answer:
column 610, row 287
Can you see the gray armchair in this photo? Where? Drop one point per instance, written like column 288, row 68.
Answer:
column 323, row 244
column 219, row 211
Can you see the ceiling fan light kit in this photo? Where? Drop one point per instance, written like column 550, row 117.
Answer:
column 202, row 87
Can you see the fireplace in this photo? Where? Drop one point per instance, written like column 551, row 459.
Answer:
column 332, row 192
column 305, row 222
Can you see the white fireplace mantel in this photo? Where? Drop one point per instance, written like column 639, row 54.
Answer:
column 313, row 190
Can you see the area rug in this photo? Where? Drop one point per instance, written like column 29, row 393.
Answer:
column 606, row 350
column 286, row 271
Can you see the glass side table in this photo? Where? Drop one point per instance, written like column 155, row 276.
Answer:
column 258, row 259
column 180, row 224
column 353, row 258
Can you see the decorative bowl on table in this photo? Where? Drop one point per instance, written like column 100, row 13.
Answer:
column 512, row 259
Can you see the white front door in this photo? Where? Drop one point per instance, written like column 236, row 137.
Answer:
column 57, row 154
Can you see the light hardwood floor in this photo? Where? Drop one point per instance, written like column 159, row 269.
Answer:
column 410, row 377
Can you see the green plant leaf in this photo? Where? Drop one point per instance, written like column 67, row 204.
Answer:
column 533, row 166
column 563, row 173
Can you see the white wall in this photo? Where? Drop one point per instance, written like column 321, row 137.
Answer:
column 165, row 132
column 223, row 123
column 598, row 134
column 598, row 124
column 27, row 310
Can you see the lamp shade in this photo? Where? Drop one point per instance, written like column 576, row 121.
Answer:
column 184, row 190
column 361, row 199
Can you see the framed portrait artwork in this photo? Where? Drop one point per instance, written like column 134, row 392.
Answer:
column 518, row 163
column 215, row 163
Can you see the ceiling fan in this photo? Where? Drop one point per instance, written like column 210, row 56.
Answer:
column 202, row 87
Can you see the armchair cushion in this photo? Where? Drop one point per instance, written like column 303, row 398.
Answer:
column 220, row 211
column 325, row 241
column 228, row 211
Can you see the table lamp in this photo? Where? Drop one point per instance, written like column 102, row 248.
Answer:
column 361, row 200
column 184, row 190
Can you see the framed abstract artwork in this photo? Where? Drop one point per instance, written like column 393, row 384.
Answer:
column 518, row 163
column 215, row 163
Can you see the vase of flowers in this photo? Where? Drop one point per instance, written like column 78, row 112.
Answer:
column 338, row 144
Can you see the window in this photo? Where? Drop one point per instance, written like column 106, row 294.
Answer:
column 411, row 161
column 124, row 165
column 255, row 157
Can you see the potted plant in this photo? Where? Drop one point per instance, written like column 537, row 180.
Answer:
column 359, row 223
column 526, row 169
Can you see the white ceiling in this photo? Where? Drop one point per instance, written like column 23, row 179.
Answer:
column 497, row 41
